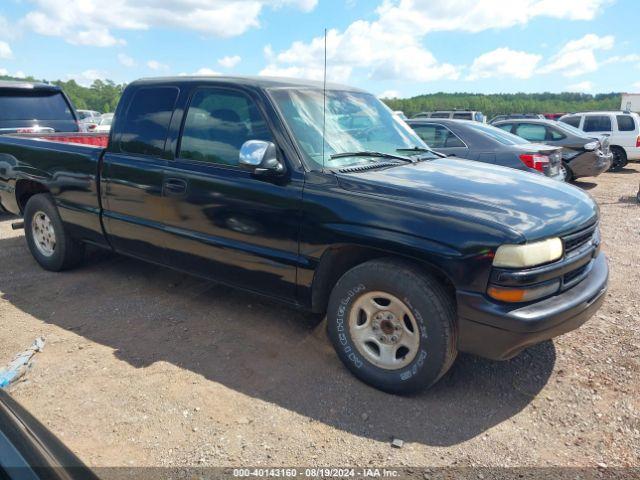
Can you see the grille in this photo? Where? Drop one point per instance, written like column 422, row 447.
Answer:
column 574, row 275
column 574, row 241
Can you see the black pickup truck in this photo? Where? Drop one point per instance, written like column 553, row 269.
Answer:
column 326, row 200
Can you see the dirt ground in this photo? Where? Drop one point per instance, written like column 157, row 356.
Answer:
column 148, row 367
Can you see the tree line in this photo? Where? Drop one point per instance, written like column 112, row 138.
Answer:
column 502, row 103
column 104, row 95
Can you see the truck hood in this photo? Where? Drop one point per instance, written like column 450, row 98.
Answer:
column 528, row 205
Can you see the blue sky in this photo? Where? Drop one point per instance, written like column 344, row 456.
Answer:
column 390, row 47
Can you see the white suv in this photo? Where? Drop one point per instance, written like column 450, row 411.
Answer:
column 622, row 128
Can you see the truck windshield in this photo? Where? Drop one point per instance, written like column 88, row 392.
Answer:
column 355, row 122
column 32, row 105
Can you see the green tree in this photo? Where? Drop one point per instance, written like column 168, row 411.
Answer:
column 497, row 104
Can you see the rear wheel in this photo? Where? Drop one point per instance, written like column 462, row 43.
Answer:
column 567, row 173
column 392, row 325
column 48, row 241
column 619, row 159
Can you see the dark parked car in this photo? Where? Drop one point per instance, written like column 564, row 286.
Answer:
column 485, row 143
column 582, row 155
column 413, row 257
column 512, row 116
column 35, row 107
column 29, row 451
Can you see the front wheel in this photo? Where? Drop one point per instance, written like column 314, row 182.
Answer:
column 392, row 325
column 48, row 241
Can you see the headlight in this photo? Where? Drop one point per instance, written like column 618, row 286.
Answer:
column 528, row 254
column 591, row 145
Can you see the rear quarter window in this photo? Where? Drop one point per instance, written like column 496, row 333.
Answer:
column 625, row 123
column 33, row 105
column 147, row 120
column 462, row 116
column 597, row 123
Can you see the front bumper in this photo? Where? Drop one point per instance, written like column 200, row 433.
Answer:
column 590, row 164
column 500, row 331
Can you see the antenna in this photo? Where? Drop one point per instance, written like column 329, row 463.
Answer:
column 324, row 97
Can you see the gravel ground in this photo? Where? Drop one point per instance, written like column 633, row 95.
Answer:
column 144, row 366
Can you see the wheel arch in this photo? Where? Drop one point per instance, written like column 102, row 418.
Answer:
column 25, row 189
column 339, row 259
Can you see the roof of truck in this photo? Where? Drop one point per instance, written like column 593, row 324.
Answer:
column 250, row 81
column 28, row 85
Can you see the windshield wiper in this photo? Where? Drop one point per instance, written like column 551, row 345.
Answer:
column 420, row 150
column 367, row 153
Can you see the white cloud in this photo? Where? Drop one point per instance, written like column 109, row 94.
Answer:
column 202, row 72
column 20, row 74
column 5, row 51
column 230, row 61
column 87, row 77
column 391, row 46
column 504, row 62
column 126, row 60
column 634, row 57
column 206, row 72
column 478, row 15
column 156, row 65
column 92, row 22
column 4, row 71
column 97, row 37
column 577, row 57
column 636, row 85
column 583, row 87
column 389, row 94
column 384, row 54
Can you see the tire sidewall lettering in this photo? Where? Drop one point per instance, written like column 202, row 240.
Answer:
column 341, row 327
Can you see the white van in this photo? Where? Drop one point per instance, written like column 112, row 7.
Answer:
column 454, row 114
column 622, row 128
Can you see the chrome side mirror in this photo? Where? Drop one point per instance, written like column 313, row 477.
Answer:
column 260, row 157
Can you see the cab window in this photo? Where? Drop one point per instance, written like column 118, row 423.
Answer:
column 218, row 123
column 147, row 121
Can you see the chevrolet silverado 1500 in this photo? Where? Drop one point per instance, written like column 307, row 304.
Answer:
column 326, row 200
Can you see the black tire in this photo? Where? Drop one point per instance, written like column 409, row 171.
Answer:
column 67, row 251
column 619, row 160
column 568, row 173
column 428, row 302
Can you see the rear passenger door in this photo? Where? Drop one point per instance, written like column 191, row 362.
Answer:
column 133, row 172
column 441, row 139
column 228, row 224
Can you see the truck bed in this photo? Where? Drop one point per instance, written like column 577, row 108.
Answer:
column 68, row 169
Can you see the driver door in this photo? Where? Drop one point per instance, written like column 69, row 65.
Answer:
column 226, row 223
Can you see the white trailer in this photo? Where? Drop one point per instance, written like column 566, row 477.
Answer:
column 630, row 102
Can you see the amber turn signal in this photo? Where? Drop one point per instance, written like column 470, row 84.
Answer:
column 515, row 295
